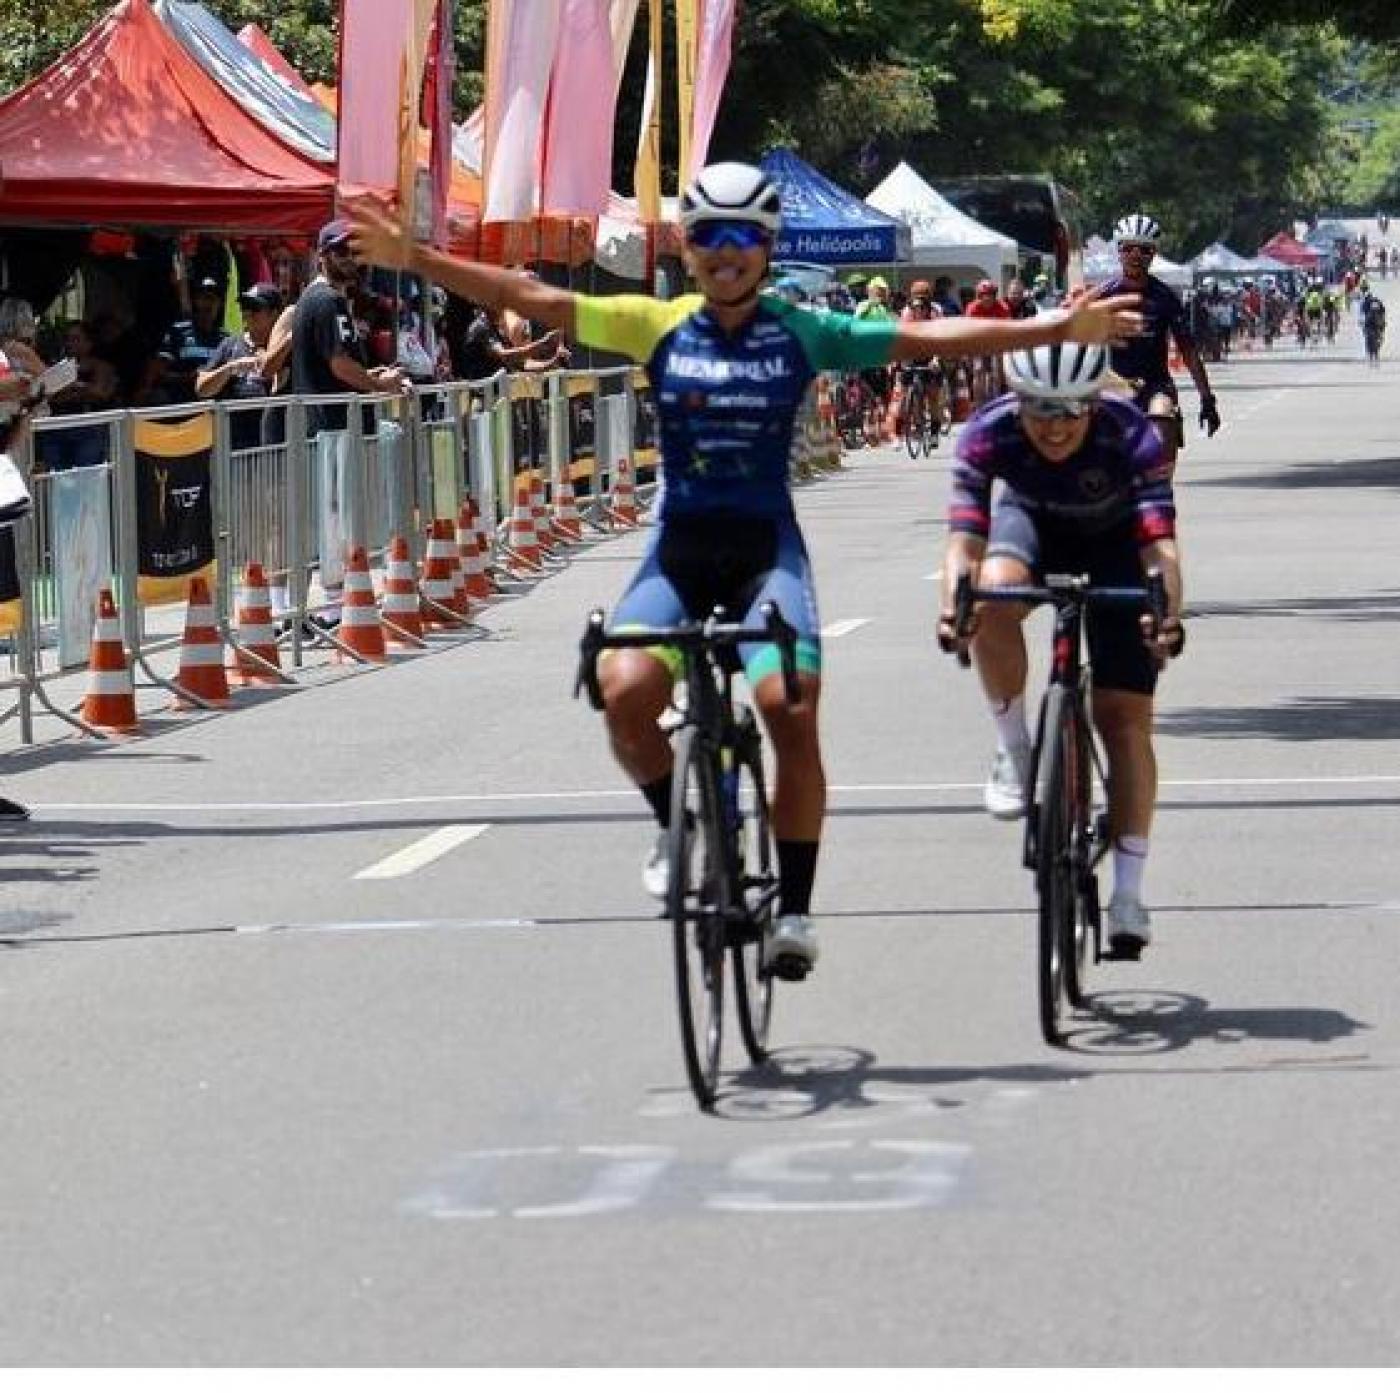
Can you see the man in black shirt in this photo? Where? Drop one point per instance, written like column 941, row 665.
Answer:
column 191, row 343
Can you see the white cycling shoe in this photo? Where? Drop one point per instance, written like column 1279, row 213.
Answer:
column 1129, row 927
column 790, row 948
column 1004, row 795
column 656, row 872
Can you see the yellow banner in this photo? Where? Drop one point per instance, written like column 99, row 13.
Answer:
column 647, row 174
column 687, row 54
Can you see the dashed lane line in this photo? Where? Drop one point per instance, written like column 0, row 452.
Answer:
column 842, row 627
column 423, row 852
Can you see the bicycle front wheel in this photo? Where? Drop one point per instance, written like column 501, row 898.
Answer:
column 753, row 865
column 914, row 416
column 697, row 919
column 1054, row 872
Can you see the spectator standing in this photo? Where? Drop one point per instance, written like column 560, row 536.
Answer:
column 945, row 297
column 478, row 346
column 987, row 304
column 237, row 371
column 81, row 447
column 190, row 344
column 1021, row 305
column 328, row 355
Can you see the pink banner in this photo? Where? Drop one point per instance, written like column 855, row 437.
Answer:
column 521, row 45
column 374, row 43
column 442, row 67
column 711, row 73
column 582, row 97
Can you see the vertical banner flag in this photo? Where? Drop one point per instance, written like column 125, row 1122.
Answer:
column 522, row 39
column 437, row 103
column 687, row 24
column 11, row 592
column 80, row 519
column 174, row 519
column 622, row 16
column 711, row 72
column 374, row 40
column 415, row 204
column 647, row 173
column 582, row 102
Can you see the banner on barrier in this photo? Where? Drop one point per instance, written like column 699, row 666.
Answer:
column 645, row 434
column 11, row 595
column 583, row 437
column 174, row 513
column 82, row 535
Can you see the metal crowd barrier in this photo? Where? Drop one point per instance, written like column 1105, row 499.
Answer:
column 294, row 501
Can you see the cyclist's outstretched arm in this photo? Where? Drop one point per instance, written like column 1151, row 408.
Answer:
column 377, row 237
column 1090, row 319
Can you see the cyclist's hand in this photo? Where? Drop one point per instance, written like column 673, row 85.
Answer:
column 1090, row 317
column 1210, row 415
column 950, row 640
column 1164, row 641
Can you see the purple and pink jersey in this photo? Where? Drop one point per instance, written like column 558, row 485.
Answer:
column 1118, row 475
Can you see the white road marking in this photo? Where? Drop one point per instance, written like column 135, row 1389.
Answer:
column 842, row 627
column 438, row 800
column 422, row 852
column 936, row 575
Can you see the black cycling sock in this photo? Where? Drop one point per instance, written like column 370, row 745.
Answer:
column 797, row 869
column 658, row 794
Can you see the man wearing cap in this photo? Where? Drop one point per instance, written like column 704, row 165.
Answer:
column 190, row 343
column 238, row 371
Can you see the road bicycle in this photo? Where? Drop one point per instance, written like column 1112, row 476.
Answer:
column 724, row 884
column 923, row 424
column 860, row 414
column 1067, row 833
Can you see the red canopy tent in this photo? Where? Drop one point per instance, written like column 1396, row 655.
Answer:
column 255, row 39
column 126, row 129
column 1289, row 250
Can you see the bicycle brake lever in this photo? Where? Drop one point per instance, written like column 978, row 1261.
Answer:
column 589, row 648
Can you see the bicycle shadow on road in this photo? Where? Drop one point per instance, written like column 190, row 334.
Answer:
column 1161, row 1022
column 1303, row 718
column 1313, row 474
column 809, row 1080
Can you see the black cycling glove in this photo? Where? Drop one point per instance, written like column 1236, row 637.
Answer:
column 1210, row 416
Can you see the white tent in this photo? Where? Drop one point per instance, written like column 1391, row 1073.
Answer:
column 944, row 238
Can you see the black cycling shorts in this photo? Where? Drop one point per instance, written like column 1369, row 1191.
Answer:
column 1117, row 654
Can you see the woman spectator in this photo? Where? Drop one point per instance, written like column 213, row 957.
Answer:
column 81, row 447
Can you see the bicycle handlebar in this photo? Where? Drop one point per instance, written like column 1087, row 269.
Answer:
column 706, row 636
column 1063, row 589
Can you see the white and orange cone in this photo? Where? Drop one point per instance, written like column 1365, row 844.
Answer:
column 483, row 539
column 523, row 544
column 361, row 630
column 201, row 671
column 567, row 522
column 110, row 703
column 255, row 633
column 437, row 586
column 474, row 580
column 623, row 506
column 403, row 624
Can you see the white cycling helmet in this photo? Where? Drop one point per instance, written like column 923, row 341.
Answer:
column 732, row 192
column 1058, row 372
column 1137, row 227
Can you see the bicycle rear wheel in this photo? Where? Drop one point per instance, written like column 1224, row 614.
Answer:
column 753, row 866
column 697, row 917
column 1054, row 876
column 1083, row 934
column 915, row 413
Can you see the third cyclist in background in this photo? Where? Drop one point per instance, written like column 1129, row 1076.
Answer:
column 1144, row 360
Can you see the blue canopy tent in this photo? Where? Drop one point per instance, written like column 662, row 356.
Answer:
column 823, row 223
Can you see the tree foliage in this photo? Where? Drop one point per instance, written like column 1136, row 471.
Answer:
column 1205, row 112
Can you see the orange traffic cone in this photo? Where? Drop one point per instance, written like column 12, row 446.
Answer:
column 567, row 523
column 201, row 671
column 962, row 395
column 437, row 577
column 623, row 506
column 402, row 622
column 110, row 703
column 539, row 515
column 523, row 545
column 473, row 565
column 894, row 413
column 361, row 629
column 255, row 633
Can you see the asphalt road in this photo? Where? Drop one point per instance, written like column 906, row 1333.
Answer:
column 257, row 1107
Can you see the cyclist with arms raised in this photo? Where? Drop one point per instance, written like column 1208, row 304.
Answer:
column 1143, row 360
column 1085, row 490
column 729, row 368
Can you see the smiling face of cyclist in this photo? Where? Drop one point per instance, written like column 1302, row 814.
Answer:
column 1056, row 435
column 1136, row 258
column 729, row 261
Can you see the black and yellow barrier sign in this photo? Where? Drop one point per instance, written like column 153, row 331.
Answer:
column 174, row 514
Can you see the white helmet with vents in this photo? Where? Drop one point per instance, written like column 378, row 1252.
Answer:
column 732, row 192
column 1058, row 372
column 1137, row 227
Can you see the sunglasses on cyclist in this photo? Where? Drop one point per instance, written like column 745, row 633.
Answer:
column 1138, row 248
column 712, row 236
column 1042, row 409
